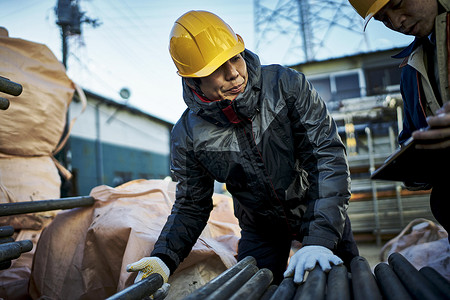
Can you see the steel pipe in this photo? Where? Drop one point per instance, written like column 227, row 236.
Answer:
column 338, row 287
column 233, row 284
column 210, row 287
column 415, row 282
column 5, row 264
column 6, row 231
column 315, row 284
column 438, row 281
column 140, row 289
column 285, row 290
column 390, row 285
column 364, row 284
column 13, row 250
column 4, row 103
column 6, row 239
column 269, row 292
column 10, row 87
column 255, row 287
column 16, row 208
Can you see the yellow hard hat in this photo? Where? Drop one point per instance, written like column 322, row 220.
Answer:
column 200, row 42
column 367, row 8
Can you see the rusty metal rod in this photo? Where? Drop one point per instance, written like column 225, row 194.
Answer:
column 390, row 285
column 10, row 87
column 210, row 287
column 315, row 284
column 255, row 287
column 8, row 209
column 13, row 250
column 140, row 289
column 415, row 282
column 233, row 284
column 364, row 284
column 338, row 286
column 439, row 281
column 7, row 230
column 285, row 290
column 4, row 103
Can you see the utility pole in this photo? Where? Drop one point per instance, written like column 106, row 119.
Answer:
column 69, row 18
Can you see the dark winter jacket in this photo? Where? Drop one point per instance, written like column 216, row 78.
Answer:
column 277, row 149
column 420, row 98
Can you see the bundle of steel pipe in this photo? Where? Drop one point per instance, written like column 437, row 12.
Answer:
column 396, row 280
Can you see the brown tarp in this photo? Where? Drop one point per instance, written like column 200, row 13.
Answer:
column 84, row 252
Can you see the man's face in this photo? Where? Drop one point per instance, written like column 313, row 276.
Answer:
column 410, row 17
column 227, row 81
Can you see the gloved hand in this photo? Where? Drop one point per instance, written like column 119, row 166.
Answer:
column 306, row 259
column 147, row 266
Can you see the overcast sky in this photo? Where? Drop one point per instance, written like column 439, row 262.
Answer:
column 130, row 47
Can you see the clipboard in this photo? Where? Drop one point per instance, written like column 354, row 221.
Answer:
column 408, row 164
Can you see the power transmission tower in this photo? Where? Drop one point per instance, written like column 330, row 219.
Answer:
column 305, row 30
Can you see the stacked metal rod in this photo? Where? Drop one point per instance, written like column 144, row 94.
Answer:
column 397, row 280
column 8, row 87
column 15, row 208
column 9, row 249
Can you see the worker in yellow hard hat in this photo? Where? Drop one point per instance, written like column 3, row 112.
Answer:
column 266, row 133
column 424, row 81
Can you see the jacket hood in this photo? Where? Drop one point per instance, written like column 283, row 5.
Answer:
column 227, row 112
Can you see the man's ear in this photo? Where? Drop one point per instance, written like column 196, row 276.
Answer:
column 189, row 83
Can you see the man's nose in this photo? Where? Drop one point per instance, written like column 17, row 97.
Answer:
column 231, row 71
column 395, row 20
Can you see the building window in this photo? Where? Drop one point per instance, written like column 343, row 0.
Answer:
column 383, row 80
column 335, row 87
column 347, row 86
column 323, row 87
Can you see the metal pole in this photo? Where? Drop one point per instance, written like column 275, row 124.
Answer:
column 398, row 186
column 269, row 292
column 285, row 290
column 315, row 284
column 374, row 186
column 415, row 282
column 436, row 279
column 140, row 289
column 217, row 282
column 234, row 284
column 13, row 250
column 99, row 147
column 6, row 231
column 390, row 285
column 338, row 287
column 255, row 287
column 10, row 87
column 363, row 282
column 16, row 208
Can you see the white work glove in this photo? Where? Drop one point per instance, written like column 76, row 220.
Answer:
column 306, row 259
column 147, row 266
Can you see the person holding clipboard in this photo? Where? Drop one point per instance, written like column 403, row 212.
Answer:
column 425, row 91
